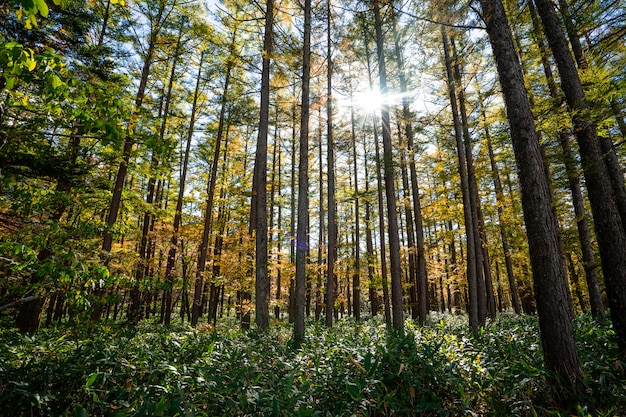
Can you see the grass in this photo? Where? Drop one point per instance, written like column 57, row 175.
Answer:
column 353, row 369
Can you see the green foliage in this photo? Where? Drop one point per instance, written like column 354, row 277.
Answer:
column 352, row 369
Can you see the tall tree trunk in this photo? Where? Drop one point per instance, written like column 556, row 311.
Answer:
column 258, row 216
column 196, row 310
column 135, row 307
column 356, row 276
column 392, row 215
column 380, row 198
column 486, row 301
column 609, row 226
column 303, row 182
column 331, row 254
column 471, row 261
column 546, row 252
column 422, row 275
column 584, row 234
column 128, row 143
column 321, row 242
column 178, row 213
column 369, row 241
column 497, row 185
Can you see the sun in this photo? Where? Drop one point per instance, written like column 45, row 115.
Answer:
column 369, row 101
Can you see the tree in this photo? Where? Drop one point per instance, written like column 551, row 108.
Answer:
column 303, row 182
column 331, row 254
column 546, row 253
column 609, row 226
column 258, row 216
column 472, row 264
column 392, row 216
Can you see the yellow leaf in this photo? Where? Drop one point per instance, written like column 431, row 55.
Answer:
column 31, row 64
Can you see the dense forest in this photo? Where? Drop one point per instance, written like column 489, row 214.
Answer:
column 313, row 207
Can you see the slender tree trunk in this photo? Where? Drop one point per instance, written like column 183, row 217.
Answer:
column 321, row 242
column 258, row 216
column 356, row 276
column 331, row 254
column 546, row 252
column 380, row 199
column 369, row 241
column 497, row 185
column 471, row 261
column 422, row 275
column 609, row 225
column 392, row 215
column 178, row 214
column 196, row 310
column 128, row 143
column 303, row 182
column 584, row 234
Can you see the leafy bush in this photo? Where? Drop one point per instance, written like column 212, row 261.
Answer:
column 351, row 369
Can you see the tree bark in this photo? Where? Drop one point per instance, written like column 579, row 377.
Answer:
column 421, row 279
column 546, row 253
column 331, row 254
column 392, row 215
column 584, row 234
column 609, row 225
column 303, row 183
column 258, row 217
column 472, row 269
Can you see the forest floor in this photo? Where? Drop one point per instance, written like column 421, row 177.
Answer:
column 353, row 369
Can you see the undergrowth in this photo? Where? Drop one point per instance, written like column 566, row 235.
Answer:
column 353, row 369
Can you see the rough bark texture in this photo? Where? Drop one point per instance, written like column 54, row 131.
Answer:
column 584, row 234
column 330, row 158
column 608, row 223
column 546, row 253
column 421, row 279
column 392, row 215
column 471, row 262
column 303, row 182
column 258, row 217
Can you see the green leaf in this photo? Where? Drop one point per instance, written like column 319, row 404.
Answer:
column 56, row 81
column 91, row 380
column 10, row 83
column 42, row 6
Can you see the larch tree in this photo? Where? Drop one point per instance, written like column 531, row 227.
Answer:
column 610, row 231
column 390, row 192
column 258, row 216
column 301, row 246
column 546, row 253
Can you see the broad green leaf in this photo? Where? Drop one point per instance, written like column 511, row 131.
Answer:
column 43, row 7
column 56, row 81
column 91, row 380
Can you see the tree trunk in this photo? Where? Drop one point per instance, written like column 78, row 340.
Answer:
column 331, row 254
column 392, row 215
column 584, row 234
column 303, row 183
column 609, row 226
column 196, row 310
column 178, row 213
column 258, row 216
column 422, row 275
column 471, row 261
column 546, row 253
column 497, row 185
